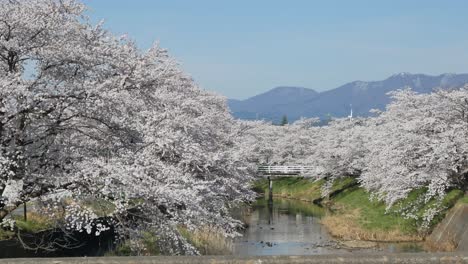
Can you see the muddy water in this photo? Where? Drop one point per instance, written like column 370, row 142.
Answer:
column 291, row 227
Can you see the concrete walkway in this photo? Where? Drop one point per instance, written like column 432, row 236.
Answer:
column 423, row 258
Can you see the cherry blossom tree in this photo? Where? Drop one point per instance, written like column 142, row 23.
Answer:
column 90, row 114
column 420, row 141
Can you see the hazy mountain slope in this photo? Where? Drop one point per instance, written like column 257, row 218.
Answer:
column 336, row 102
column 266, row 104
column 368, row 95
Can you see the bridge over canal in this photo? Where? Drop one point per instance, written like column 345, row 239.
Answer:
column 285, row 170
column 272, row 171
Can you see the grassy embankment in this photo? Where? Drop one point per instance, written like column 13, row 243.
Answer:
column 464, row 199
column 38, row 221
column 149, row 242
column 206, row 240
column 354, row 216
column 301, row 189
column 35, row 223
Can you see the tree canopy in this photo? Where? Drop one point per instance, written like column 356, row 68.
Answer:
column 418, row 142
column 88, row 114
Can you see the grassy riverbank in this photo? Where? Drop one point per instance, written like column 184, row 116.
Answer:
column 35, row 223
column 207, row 240
column 354, row 216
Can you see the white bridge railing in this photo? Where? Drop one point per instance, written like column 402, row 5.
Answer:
column 284, row 170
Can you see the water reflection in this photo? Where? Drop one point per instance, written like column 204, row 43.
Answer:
column 91, row 245
column 292, row 227
column 284, row 227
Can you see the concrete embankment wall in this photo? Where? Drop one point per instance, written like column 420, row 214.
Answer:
column 351, row 258
column 452, row 232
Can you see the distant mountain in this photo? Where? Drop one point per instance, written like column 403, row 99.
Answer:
column 298, row 102
column 265, row 105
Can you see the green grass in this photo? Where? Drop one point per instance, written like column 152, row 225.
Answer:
column 149, row 240
column 6, row 234
column 343, row 183
column 185, row 233
column 151, row 243
column 464, row 199
column 374, row 216
column 301, row 188
column 99, row 207
column 208, row 241
column 448, row 202
column 292, row 187
column 31, row 226
column 34, row 223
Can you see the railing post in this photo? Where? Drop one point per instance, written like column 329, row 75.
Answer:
column 25, row 212
column 270, row 190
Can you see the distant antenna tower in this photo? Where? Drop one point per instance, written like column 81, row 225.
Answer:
column 351, row 113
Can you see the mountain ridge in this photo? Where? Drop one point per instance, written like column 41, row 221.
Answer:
column 296, row 102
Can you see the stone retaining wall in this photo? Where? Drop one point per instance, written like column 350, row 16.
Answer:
column 452, row 233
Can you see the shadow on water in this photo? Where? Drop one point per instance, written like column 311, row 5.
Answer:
column 292, row 227
column 87, row 245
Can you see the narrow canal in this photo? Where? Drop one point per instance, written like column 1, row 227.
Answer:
column 284, row 227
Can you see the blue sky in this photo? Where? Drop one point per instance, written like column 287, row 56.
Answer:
column 240, row 48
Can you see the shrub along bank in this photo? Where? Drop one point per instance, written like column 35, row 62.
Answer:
column 354, row 215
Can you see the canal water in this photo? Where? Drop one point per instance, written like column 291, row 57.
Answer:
column 292, row 227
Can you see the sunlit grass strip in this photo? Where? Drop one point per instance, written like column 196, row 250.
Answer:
column 357, row 217
column 347, row 225
column 35, row 222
